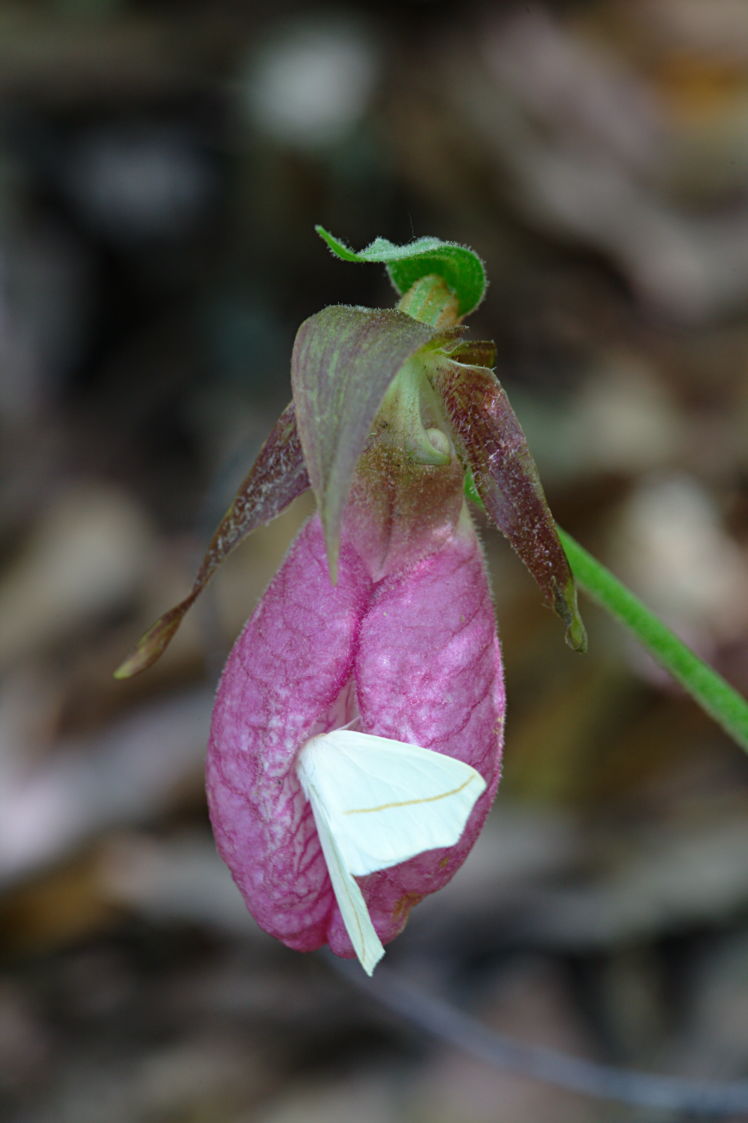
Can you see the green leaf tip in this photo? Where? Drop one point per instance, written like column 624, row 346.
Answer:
column 708, row 689
column 460, row 267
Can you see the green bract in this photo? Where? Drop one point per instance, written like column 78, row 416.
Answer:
column 460, row 267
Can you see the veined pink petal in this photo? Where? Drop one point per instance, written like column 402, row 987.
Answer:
column 286, row 679
column 413, row 656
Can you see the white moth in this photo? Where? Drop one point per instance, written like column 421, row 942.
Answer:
column 377, row 802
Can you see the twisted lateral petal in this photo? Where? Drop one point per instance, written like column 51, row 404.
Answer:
column 490, row 441
column 276, row 478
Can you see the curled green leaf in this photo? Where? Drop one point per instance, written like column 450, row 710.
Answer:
column 277, row 476
column 460, row 267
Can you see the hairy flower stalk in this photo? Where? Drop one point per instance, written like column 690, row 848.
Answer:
column 357, row 732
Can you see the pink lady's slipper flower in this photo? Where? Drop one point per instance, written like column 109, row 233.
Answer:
column 357, row 732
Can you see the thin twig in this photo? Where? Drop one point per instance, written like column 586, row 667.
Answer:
column 605, row 1082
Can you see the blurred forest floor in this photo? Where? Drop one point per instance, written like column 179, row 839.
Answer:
column 161, row 169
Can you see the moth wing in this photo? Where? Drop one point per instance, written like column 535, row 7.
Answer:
column 387, row 800
column 366, row 943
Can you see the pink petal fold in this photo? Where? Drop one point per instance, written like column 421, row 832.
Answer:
column 287, row 670
column 413, row 656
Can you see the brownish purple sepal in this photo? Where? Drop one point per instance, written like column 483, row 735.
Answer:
column 343, row 361
column 473, row 352
column 490, row 441
column 277, row 477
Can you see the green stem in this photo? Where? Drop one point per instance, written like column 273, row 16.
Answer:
column 710, row 690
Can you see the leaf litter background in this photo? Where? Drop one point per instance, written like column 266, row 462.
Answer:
column 161, row 168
